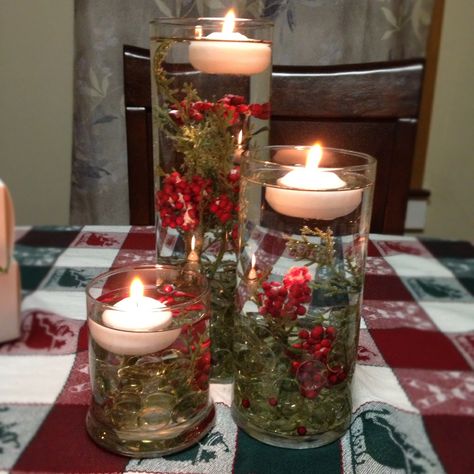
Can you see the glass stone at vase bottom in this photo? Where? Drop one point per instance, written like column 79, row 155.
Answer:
column 141, row 409
column 285, row 406
column 296, row 332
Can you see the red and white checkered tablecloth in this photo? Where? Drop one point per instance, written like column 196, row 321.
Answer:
column 413, row 386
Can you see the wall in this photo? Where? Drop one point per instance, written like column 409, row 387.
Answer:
column 449, row 173
column 36, row 61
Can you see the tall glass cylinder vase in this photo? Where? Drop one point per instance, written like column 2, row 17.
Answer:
column 210, row 97
column 303, row 232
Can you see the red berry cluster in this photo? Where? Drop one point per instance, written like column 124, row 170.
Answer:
column 315, row 373
column 260, row 111
column 179, row 199
column 237, row 101
column 222, row 207
column 168, row 298
column 287, row 299
column 171, row 296
column 193, row 110
column 337, row 374
column 232, row 107
column 317, row 342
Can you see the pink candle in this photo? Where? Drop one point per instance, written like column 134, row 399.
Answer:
column 10, row 287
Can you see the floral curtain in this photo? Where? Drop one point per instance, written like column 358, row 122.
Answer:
column 307, row 32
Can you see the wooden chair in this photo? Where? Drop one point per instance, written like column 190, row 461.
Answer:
column 372, row 108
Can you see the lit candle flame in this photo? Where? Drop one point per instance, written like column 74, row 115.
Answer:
column 252, row 274
column 239, row 139
column 198, row 32
column 136, row 290
column 314, row 156
column 229, row 22
column 193, row 257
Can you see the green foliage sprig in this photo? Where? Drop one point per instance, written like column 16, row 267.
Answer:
column 339, row 279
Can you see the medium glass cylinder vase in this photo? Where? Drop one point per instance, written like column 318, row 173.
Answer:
column 210, row 98
column 149, row 360
column 303, row 232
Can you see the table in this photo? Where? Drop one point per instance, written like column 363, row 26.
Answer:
column 413, row 386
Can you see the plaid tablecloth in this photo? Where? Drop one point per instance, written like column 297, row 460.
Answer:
column 413, row 386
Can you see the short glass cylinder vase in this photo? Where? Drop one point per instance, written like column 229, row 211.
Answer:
column 210, row 102
column 303, row 233
column 149, row 360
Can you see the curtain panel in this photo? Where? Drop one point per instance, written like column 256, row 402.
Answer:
column 307, row 32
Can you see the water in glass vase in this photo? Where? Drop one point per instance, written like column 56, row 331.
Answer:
column 296, row 333
column 208, row 106
column 150, row 389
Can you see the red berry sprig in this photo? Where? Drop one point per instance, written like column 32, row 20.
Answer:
column 317, row 342
column 223, row 208
column 232, row 107
column 315, row 372
column 337, row 374
column 287, row 299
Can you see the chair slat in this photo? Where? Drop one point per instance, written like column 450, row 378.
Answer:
column 372, row 108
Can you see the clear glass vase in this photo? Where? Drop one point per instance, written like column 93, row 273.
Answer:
column 303, row 233
column 210, row 100
column 149, row 360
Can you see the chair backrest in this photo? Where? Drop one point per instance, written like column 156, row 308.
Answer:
column 371, row 108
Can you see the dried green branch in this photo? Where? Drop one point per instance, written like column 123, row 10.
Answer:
column 320, row 253
column 338, row 278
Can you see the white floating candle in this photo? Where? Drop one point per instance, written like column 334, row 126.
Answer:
column 136, row 326
column 137, row 312
column 309, row 193
column 229, row 52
